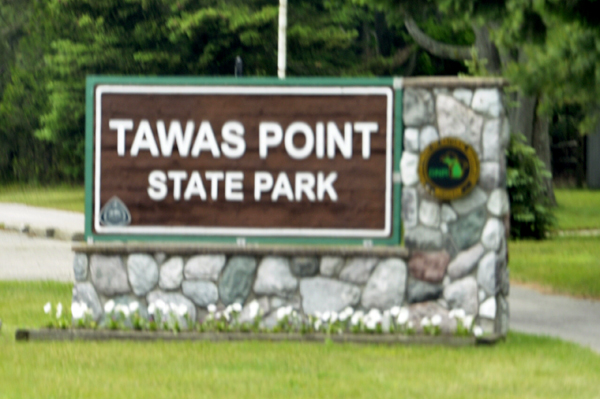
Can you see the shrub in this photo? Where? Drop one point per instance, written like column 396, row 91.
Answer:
column 532, row 213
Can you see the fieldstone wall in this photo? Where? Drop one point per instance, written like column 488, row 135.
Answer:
column 458, row 248
column 309, row 284
column 455, row 254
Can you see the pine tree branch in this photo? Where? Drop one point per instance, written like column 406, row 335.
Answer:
column 442, row 50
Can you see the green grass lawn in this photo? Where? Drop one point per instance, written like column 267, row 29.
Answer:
column 522, row 367
column 578, row 209
column 569, row 265
column 68, row 198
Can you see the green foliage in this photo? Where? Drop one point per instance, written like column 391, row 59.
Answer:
column 532, row 215
column 42, row 113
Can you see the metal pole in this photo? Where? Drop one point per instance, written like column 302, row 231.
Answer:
column 281, row 48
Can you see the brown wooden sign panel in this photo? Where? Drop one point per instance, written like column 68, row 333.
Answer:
column 243, row 161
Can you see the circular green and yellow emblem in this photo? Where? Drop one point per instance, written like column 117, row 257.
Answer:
column 449, row 168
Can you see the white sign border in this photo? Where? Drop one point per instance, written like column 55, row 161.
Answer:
column 252, row 90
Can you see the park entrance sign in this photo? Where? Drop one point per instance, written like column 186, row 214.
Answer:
column 198, row 191
column 218, row 161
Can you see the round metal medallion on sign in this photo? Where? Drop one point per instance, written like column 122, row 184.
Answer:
column 449, row 168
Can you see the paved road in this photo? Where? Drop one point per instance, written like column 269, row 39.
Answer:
column 63, row 223
column 31, row 258
column 575, row 320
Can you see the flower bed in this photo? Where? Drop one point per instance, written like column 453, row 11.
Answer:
column 168, row 321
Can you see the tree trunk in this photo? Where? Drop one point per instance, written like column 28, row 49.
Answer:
column 541, row 144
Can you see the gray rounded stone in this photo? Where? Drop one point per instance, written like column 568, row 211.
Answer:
column 418, row 107
column 463, row 95
column 486, row 273
column 236, row 283
column 80, row 267
column 488, row 101
column 456, row 120
column 488, row 308
column 85, row 292
column 358, row 270
column 109, row 275
column 462, row 294
column 175, row 299
column 428, row 135
column 498, row 204
column 493, row 234
column 492, row 145
column 303, row 266
column 467, row 204
column 408, row 168
column 465, row 262
column 331, row 265
column 424, row 238
column 466, row 231
column 204, row 267
column 490, row 176
column 429, row 309
column 202, row 293
column 143, row 273
column 160, row 257
column 429, row 213
column 277, row 302
column 447, row 214
column 387, row 285
column 274, row 277
column 410, row 206
column 320, row 294
column 421, row 291
column 411, row 140
column 171, row 274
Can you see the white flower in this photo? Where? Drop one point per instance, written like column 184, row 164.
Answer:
column 346, row 313
column 122, row 309
column 48, row 308
column 436, row 320
column 109, row 306
column 152, row 308
column 326, row 316
column 403, row 315
column 182, row 310
column 218, row 315
column 395, row 311
column 317, row 324
column 477, row 331
column 467, row 321
column 425, row 322
column 375, row 315
column 253, row 308
column 211, row 308
column 59, row 310
column 281, row 313
column 318, row 315
column 457, row 314
column 162, row 306
column 237, row 307
column 134, row 306
column 357, row 317
column 77, row 310
column 410, row 325
column 334, row 317
column 370, row 323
